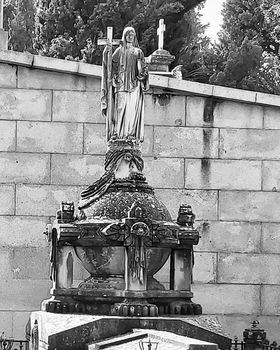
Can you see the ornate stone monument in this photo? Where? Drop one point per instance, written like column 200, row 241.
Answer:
column 160, row 59
column 123, row 235
column 121, row 232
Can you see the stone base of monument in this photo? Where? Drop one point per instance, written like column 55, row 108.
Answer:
column 151, row 339
column 121, row 303
column 76, row 332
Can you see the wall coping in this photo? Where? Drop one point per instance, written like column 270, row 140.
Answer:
column 183, row 87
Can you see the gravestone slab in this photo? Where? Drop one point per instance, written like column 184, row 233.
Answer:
column 162, row 339
column 73, row 332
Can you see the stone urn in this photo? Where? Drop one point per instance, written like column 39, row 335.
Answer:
column 106, row 265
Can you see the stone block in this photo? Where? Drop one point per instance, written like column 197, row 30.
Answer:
column 8, row 76
column 186, row 86
column 75, row 169
column 205, row 267
column 95, row 139
column 249, row 206
column 164, row 172
column 249, row 143
column 164, row 109
column 222, row 236
column 249, row 268
column 16, row 58
column 271, row 117
column 148, row 144
column 24, row 168
column 7, row 199
column 270, row 300
column 6, row 323
column 270, row 238
column 5, row 263
column 55, row 64
column 204, row 203
column 30, row 263
column 226, row 114
column 268, row 99
column 89, row 70
column 20, row 320
column 270, row 176
column 20, row 104
column 49, row 80
column 93, row 84
column 44, row 200
column 195, row 110
column 23, row 231
column 227, row 298
column 50, row 137
column 25, row 104
column 234, row 94
column 186, row 142
column 23, row 295
column 7, row 135
column 223, row 174
column 77, row 106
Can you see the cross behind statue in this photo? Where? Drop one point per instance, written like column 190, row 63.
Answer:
column 160, row 32
column 109, row 39
column 111, row 42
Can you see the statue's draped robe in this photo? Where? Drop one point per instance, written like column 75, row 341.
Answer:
column 129, row 79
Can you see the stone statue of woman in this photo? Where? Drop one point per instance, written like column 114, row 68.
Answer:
column 123, row 84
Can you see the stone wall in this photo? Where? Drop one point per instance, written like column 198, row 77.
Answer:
column 215, row 148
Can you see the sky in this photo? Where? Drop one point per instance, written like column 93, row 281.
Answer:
column 212, row 14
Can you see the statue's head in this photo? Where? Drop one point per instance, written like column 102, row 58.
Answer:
column 129, row 36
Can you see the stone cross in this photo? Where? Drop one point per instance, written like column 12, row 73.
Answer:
column 111, row 41
column 108, row 40
column 1, row 14
column 160, row 33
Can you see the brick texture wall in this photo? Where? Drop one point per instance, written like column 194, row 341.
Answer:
column 226, row 164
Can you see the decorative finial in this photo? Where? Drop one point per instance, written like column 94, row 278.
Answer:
column 185, row 216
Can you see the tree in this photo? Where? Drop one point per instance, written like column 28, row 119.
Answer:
column 193, row 52
column 72, row 27
column 21, row 27
column 19, row 17
column 247, row 55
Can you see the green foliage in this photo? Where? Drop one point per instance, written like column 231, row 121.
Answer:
column 247, row 55
column 19, row 17
column 239, row 64
column 70, row 28
column 193, row 53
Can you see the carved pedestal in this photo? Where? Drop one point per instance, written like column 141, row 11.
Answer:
column 129, row 293
column 123, row 235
